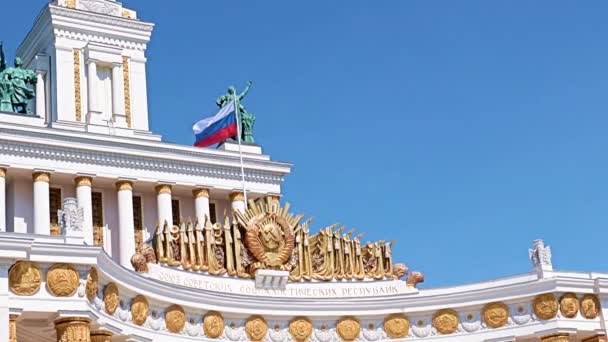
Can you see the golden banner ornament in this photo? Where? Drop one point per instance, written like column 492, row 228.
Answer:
column 92, row 283
column 446, row 321
column 569, row 305
column 590, row 306
column 139, row 310
column 545, row 306
column 24, row 278
column 495, row 315
column 256, row 328
column 175, row 318
column 396, row 326
column 300, row 329
column 348, row 328
column 62, row 280
column 111, row 298
column 213, row 324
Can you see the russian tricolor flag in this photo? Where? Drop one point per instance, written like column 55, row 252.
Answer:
column 218, row 128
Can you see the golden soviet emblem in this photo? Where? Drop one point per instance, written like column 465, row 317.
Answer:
column 545, row 306
column 590, row 306
column 270, row 239
column 396, row 326
column 139, row 310
column 92, row 283
column 300, row 329
column 24, row 278
column 348, row 328
column 569, row 305
column 495, row 315
column 446, row 321
column 62, row 280
column 175, row 319
column 111, row 298
column 256, row 328
column 213, row 324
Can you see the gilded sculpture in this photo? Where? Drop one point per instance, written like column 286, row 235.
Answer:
column 62, row 280
column 300, row 329
column 396, row 326
column 446, row 321
column 175, row 319
column 256, row 328
column 92, row 283
column 25, row 278
column 139, row 310
column 111, row 298
column 213, row 324
column 348, row 328
column 590, row 306
column 495, row 315
column 569, row 305
column 545, row 306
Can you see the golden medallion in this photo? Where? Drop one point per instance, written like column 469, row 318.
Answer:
column 175, row 319
column 62, row 280
column 256, row 328
column 213, row 324
column 24, row 278
column 300, row 329
column 446, row 321
column 495, row 315
column 111, row 298
column 545, row 306
column 348, row 328
column 396, row 326
column 139, row 310
column 92, row 283
column 590, row 306
column 569, row 305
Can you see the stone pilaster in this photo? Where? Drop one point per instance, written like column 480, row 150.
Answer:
column 73, row 329
column 101, row 336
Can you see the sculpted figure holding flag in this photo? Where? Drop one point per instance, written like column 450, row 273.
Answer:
column 14, row 90
column 245, row 118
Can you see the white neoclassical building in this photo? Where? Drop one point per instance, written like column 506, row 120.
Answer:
column 107, row 233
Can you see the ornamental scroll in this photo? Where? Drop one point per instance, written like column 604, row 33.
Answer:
column 267, row 236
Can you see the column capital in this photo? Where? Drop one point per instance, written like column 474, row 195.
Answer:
column 12, row 328
column 101, row 336
column 200, row 192
column 237, row 196
column 124, row 185
column 163, row 189
column 3, row 171
column 83, row 181
column 69, row 329
column 41, row 176
column 596, row 338
column 560, row 337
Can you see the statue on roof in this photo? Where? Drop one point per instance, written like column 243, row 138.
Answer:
column 246, row 119
column 15, row 91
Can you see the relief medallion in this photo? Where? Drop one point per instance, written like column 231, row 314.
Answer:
column 139, row 310
column 111, row 298
column 495, row 315
column 256, row 328
column 545, row 306
column 300, row 329
column 62, row 280
column 590, row 306
column 396, row 326
column 213, row 324
column 569, row 305
column 348, row 328
column 446, row 321
column 92, row 283
column 175, row 319
column 24, row 278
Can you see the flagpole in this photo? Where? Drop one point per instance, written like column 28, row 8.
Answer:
column 238, row 135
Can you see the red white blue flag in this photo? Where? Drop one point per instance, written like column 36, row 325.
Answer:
column 218, row 128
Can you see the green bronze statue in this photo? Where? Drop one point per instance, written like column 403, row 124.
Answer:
column 245, row 118
column 15, row 92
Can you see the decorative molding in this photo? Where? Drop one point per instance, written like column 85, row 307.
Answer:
column 116, row 21
column 127, row 90
column 77, row 86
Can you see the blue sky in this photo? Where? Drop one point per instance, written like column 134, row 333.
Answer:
column 462, row 129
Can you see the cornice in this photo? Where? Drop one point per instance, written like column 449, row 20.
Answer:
column 114, row 21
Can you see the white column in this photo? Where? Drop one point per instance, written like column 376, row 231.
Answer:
column 42, row 210
column 40, row 94
column 118, row 96
column 85, row 201
column 4, row 306
column 238, row 201
column 92, row 86
column 201, row 204
column 126, row 225
column 2, row 199
column 163, row 203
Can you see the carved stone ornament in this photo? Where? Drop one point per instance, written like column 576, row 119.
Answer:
column 111, row 298
column 300, row 329
column 495, row 315
column 348, row 328
column 256, row 328
column 71, row 218
column 396, row 326
column 62, row 280
column 92, row 283
column 25, row 278
column 590, row 306
column 213, row 324
column 569, row 305
column 175, row 319
column 446, row 321
column 139, row 310
column 545, row 306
